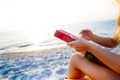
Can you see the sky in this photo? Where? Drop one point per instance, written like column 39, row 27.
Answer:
column 44, row 14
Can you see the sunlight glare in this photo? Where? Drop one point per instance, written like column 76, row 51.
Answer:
column 19, row 14
column 36, row 35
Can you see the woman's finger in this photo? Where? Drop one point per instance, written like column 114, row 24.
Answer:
column 72, row 43
column 80, row 50
column 85, row 30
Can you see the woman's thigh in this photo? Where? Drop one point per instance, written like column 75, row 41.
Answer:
column 95, row 71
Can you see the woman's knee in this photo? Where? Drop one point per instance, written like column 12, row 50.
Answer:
column 75, row 57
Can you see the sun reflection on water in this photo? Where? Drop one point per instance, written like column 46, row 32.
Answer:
column 36, row 35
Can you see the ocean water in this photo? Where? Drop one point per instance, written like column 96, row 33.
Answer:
column 47, row 59
column 22, row 40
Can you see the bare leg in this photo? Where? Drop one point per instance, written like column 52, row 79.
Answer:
column 73, row 72
column 79, row 65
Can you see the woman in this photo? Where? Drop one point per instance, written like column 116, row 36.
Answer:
column 79, row 66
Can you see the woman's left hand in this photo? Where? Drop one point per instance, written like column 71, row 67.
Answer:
column 80, row 45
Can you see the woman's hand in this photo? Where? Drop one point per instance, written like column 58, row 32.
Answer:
column 80, row 45
column 86, row 34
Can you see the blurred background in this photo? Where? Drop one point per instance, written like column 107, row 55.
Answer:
column 26, row 23
column 41, row 14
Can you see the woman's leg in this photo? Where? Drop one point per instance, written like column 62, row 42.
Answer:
column 79, row 65
column 73, row 72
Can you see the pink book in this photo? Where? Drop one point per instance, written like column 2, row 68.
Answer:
column 65, row 36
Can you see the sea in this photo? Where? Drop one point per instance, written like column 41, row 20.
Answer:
column 22, row 40
column 41, row 56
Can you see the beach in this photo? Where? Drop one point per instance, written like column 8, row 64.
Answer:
column 49, row 64
column 37, row 65
column 29, row 49
column 35, row 58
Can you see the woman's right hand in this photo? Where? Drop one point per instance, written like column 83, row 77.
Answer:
column 80, row 45
column 86, row 34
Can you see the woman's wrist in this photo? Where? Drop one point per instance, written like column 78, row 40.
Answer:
column 92, row 37
column 89, row 45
